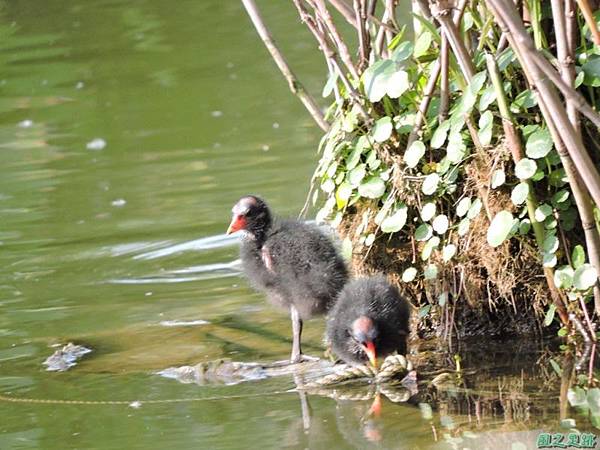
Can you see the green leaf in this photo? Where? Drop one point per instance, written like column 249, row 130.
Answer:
column 550, row 315
column 356, row 175
column 424, row 310
column 463, row 226
column 524, row 100
column 383, row 129
column 397, row 84
column 525, row 168
column 440, row 224
column 549, row 259
column 524, row 227
column 474, row 209
column 430, row 272
column 560, row 197
column 328, row 185
column 578, row 256
column 456, row 149
column 554, row 364
column 539, row 144
column 486, row 125
column 396, row 221
column 593, row 401
column 563, row 277
column 498, row 178
column 463, row 206
column 477, row 82
column 428, row 211
column 500, row 228
column 423, row 43
column 577, row 397
column 440, row 134
column 542, row 211
column 328, row 88
column 373, row 187
column 519, row 193
column 429, row 246
column 550, row 244
column 592, row 71
column 448, row 252
column 487, row 98
column 414, row 153
column 344, row 191
column 585, row 277
column 383, row 77
column 403, row 51
column 430, row 184
column 409, row 274
column 423, row 232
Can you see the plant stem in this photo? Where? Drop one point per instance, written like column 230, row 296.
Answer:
column 516, row 147
column 295, row 86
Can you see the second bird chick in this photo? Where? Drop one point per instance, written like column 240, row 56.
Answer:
column 369, row 320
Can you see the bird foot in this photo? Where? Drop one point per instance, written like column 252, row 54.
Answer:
column 300, row 358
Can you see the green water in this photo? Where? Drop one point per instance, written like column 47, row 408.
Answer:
column 103, row 246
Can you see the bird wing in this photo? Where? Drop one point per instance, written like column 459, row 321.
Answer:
column 266, row 258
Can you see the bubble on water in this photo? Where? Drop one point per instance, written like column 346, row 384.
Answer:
column 265, row 148
column 230, row 65
column 275, row 125
column 27, row 123
column 79, row 85
column 136, row 404
column 148, row 294
column 96, row 144
column 216, row 113
column 119, row 202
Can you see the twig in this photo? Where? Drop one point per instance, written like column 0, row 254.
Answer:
column 588, row 15
column 295, row 86
column 336, row 37
column 444, row 81
column 364, row 43
column 507, row 15
column 331, row 55
column 451, row 32
column 430, row 87
column 345, row 10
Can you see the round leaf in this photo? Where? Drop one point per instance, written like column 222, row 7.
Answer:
column 383, row 129
column 430, row 183
column 578, row 256
column 525, row 168
column 428, row 211
column 519, row 193
column 423, row 232
column 448, row 252
column 409, row 274
column 463, row 206
column 563, row 277
column 431, row 272
column 542, row 212
column 498, row 178
column 474, row 209
column 440, row 224
column 463, row 226
column 414, row 153
column 373, row 187
column 356, row 175
column 585, row 277
column 539, row 144
column 499, row 228
column 396, row 221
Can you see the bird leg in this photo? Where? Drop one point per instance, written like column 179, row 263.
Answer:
column 296, row 335
column 297, row 355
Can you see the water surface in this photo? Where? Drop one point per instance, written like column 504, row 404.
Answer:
column 127, row 131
